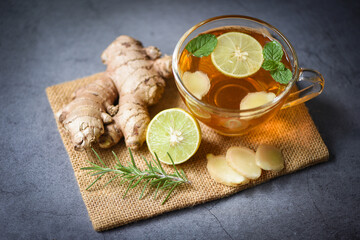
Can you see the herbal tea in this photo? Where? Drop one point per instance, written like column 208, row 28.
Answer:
column 235, row 73
column 237, row 67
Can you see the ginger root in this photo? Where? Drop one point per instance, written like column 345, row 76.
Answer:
column 84, row 117
column 135, row 75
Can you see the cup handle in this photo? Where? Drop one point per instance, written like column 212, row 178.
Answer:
column 315, row 85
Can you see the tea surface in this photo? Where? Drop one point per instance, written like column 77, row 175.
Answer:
column 226, row 91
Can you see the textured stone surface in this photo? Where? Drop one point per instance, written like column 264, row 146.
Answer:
column 43, row 43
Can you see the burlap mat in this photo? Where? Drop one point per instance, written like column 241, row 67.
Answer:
column 292, row 130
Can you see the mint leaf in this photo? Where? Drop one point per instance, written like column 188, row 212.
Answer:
column 270, row 65
column 280, row 66
column 202, row 45
column 273, row 51
column 282, row 76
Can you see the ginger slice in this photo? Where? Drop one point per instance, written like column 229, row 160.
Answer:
column 234, row 124
column 269, row 158
column 242, row 160
column 198, row 83
column 197, row 111
column 222, row 173
column 256, row 99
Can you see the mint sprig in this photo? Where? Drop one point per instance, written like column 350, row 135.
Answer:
column 273, row 54
column 202, row 45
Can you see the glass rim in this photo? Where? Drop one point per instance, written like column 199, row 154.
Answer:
column 179, row 83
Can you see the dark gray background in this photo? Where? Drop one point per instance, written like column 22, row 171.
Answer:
column 44, row 43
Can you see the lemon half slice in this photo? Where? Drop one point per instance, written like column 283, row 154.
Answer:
column 176, row 132
column 237, row 54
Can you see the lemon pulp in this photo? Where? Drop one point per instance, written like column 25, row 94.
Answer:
column 237, row 54
column 176, row 132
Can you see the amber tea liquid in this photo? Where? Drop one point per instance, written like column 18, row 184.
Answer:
column 226, row 91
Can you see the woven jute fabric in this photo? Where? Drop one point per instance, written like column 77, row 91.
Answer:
column 292, row 131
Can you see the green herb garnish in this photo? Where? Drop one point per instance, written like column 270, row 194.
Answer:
column 154, row 176
column 272, row 56
column 202, row 45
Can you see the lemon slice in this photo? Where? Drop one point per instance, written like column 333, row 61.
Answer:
column 237, row 54
column 176, row 132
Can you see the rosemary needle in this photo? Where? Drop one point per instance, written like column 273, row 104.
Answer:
column 154, row 176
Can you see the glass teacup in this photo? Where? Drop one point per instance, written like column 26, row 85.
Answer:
column 235, row 122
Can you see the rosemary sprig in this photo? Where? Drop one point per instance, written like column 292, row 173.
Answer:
column 154, row 175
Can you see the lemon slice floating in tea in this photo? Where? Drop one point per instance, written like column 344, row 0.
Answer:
column 176, row 132
column 237, row 54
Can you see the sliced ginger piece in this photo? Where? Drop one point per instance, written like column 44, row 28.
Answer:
column 242, row 160
column 198, row 83
column 269, row 158
column 256, row 99
column 198, row 112
column 222, row 173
